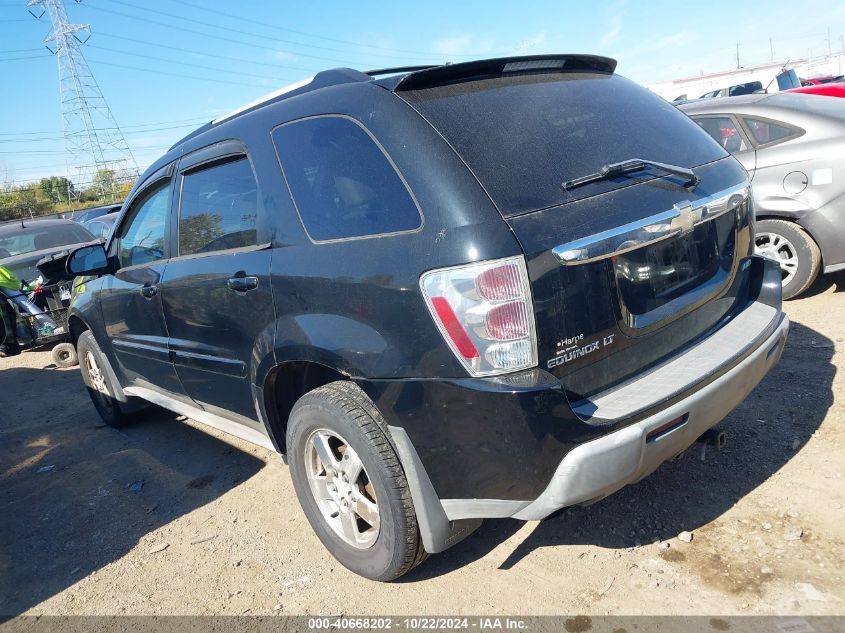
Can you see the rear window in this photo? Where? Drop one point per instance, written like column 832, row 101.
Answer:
column 342, row 182
column 39, row 238
column 523, row 135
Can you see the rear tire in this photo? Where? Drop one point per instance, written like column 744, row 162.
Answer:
column 795, row 251
column 360, row 508
column 64, row 355
column 98, row 377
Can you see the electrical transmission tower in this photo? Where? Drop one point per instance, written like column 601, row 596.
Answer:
column 98, row 156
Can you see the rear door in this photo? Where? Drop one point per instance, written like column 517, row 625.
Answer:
column 131, row 301
column 216, row 290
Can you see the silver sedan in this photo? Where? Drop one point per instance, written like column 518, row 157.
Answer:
column 793, row 147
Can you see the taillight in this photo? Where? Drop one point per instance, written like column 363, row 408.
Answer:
column 484, row 312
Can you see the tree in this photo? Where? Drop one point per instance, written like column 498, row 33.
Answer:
column 23, row 202
column 104, row 186
column 105, row 182
column 57, row 189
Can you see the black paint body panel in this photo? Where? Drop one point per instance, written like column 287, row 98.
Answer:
column 503, row 438
column 355, row 305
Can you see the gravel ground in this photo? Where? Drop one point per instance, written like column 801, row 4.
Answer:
column 163, row 518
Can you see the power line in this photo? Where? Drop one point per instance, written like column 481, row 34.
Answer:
column 159, row 150
column 203, row 53
column 162, row 72
column 15, row 59
column 125, row 127
column 218, row 38
column 186, row 64
column 231, row 29
column 59, row 138
column 35, row 151
column 233, row 16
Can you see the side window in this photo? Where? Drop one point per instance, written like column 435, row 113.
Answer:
column 768, row 132
column 342, row 182
column 724, row 131
column 143, row 238
column 218, row 208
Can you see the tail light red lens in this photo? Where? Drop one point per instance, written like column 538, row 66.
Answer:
column 485, row 314
column 508, row 321
column 500, row 283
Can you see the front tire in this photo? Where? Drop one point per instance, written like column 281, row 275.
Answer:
column 793, row 249
column 98, row 378
column 350, row 483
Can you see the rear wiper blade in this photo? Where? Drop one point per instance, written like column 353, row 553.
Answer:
column 612, row 170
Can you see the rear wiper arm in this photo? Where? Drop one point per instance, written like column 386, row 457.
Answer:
column 613, row 170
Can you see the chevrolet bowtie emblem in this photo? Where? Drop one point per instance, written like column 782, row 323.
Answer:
column 686, row 217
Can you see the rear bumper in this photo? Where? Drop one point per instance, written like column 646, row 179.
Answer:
column 603, row 466
column 515, row 446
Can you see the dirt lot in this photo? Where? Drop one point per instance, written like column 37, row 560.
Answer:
column 212, row 525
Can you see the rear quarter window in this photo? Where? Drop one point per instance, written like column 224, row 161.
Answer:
column 342, row 182
column 766, row 132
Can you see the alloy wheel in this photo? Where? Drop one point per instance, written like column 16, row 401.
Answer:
column 776, row 247
column 98, row 380
column 342, row 489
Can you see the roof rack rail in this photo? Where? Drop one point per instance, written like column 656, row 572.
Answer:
column 399, row 69
column 485, row 68
column 322, row 79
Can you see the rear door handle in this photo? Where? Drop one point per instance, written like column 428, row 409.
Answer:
column 242, row 284
column 149, row 291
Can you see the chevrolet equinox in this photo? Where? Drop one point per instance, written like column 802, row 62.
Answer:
column 449, row 293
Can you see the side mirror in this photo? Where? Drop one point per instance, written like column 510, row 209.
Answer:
column 88, row 261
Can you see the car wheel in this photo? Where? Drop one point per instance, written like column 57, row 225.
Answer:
column 350, row 483
column 64, row 355
column 793, row 249
column 99, row 379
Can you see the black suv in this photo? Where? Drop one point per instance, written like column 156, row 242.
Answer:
column 487, row 289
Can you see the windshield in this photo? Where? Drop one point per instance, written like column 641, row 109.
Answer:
column 524, row 135
column 15, row 240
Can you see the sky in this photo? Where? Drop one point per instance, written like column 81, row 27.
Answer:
column 166, row 66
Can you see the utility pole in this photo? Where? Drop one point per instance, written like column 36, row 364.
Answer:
column 771, row 51
column 93, row 140
column 737, row 54
column 829, row 52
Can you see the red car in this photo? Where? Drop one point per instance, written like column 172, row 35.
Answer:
column 828, row 90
